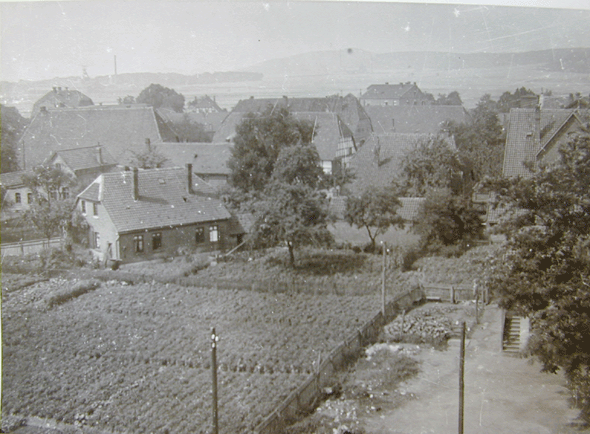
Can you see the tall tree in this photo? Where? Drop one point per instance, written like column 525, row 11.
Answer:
column 546, row 271
column 258, row 142
column 374, row 210
column 159, row 96
column 431, row 163
column 149, row 158
column 12, row 126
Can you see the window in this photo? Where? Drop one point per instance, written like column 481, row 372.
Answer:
column 58, row 166
column 83, row 206
column 200, row 235
column 96, row 240
column 138, row 243
column 53, row 194
column 213, row 234
column 29, row 197
column 17, row 198
column 95, row 208
column 65, row 193
column 156, row 240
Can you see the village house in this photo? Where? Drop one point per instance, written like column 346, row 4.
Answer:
column 534, row 137
column 116, row 128
column 61, row 98
column 137, row 214
column 17, row 197
column 395, row 95
column 204, row 104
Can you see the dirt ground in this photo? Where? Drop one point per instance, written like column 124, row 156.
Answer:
column 503, row 394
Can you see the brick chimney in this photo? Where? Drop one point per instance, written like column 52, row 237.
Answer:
column 189, row 178
column 135, row 183
column 99, row 155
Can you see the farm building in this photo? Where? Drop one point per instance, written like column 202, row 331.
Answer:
column 535, row 135
column 142, row 214
column 117, row 128
column 395, row 95
column 17, row 197
column 61, row 98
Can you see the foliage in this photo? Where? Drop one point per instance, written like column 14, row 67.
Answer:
column 188, row 131
column 129, row 99
column 375, row 210
column 68, row 293
column 12, row 125
column 480, row 140
column 447, row 220
column 149, row 158
column 49, row 217
column 452, row 98
column 432, row 163
column 258, row 143
column 298, row 164
column 47, row 183
column 547, row 265
column 158, row 96
column 293, row 214
column 509, row 101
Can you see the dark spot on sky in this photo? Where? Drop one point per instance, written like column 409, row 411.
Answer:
column 349, row 51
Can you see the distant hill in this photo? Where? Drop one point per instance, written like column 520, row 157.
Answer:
column 354, row 61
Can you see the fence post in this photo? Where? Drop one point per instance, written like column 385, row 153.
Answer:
column 452, row 294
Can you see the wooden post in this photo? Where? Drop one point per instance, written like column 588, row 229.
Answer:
column 477, row 306
column 452, row 294
column 461, row 375
column 214, row 340
column 383, row 247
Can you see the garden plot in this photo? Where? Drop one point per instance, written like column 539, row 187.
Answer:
column 135, row 358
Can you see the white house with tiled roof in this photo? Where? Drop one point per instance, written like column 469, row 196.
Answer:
column 534, row 136
column 141, row 214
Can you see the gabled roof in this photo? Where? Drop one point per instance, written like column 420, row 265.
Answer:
column 530, row 131
column 392, row 148
column 163, row 200
column 13, row 179
column 116, row 128
column 204, row 102
column 211, row 121
column 206, row 158
column 329, row 130
column 414, row 119
column 85, row 158
column 59, row 97
column 389, row 91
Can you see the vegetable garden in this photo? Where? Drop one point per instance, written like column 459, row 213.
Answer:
column 135, row 358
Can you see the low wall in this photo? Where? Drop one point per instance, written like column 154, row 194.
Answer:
column 23, row 248
column 307, row 396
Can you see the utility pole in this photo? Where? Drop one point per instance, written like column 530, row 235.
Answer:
column 384, row 248
column 461, row 375
column 214, row 340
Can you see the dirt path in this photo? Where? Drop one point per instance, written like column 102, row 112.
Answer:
column 503, row 394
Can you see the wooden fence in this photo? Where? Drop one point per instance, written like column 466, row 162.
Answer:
column 23, row 248
column 306, row 397
column 454, row 293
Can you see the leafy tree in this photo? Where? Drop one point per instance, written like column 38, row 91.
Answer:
column 159, row 96
column 452, row 98
column 12, row 126
column 480, row 140
column 129, row 99
column 546, row 275
column 432, row 163
column 48, row 183
column 294, row 214
column 189, row 131
column 509, row 101
column 149, row 158
column 447, row 220
column 49, row 217
column 258, row 142
column 298, row 164
column 374, row 210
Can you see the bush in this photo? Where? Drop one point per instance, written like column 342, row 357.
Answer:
column 67, row 294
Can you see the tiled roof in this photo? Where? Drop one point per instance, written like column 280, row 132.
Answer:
column 163, row 200
column 204, row 102
column 529, row 131
column 59, row 97
column 392, row 148
column 206, row 158
column 86, row 158
column 13, row 179
column 116, row 128
column 414, row 119
column 211, row 121
column 330, row 129
column 92, row 192
column 388, row 91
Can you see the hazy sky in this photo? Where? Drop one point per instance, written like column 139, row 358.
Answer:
column 42, row 40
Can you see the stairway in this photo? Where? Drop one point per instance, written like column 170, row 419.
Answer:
column 511, row 339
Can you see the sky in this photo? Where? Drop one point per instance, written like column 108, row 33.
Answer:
column 46, row 39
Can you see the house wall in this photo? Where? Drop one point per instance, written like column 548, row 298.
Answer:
column 102, row 225
column 173, row 239
column 551, row 154
column 24, row 203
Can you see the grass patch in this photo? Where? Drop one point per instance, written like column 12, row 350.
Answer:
column 67, row 294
